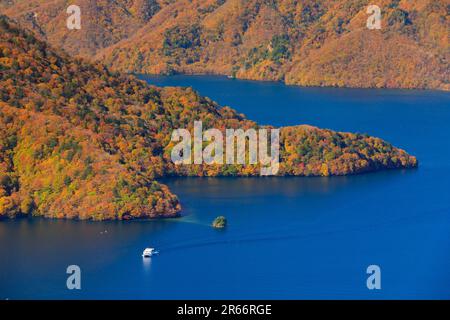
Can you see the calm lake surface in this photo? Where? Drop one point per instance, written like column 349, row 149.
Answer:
column 287, row 238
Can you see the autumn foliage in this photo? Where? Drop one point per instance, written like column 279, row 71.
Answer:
column 79, row 141
column 308, row 42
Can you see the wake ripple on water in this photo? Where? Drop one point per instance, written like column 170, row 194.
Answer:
column 285, row 234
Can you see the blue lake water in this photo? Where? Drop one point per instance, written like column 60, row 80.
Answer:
column 289, row 238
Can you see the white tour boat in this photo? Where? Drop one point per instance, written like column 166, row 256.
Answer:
column 148, row 252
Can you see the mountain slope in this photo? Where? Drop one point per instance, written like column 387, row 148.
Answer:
column 309, row 42
column 78, row 141
column 104, row 22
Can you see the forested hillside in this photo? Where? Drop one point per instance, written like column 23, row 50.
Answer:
column 80, row 141
column 307, row 42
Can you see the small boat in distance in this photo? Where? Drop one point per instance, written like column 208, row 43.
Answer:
column 148, row 252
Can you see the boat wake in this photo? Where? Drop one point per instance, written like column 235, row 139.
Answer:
column 288, row 233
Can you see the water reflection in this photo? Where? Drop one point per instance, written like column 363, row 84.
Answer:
column 146, row 264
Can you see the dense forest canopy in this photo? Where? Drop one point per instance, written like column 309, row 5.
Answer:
column 80, row 141
column 307, row 42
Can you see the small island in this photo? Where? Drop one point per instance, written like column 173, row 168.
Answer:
column 219, row 222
